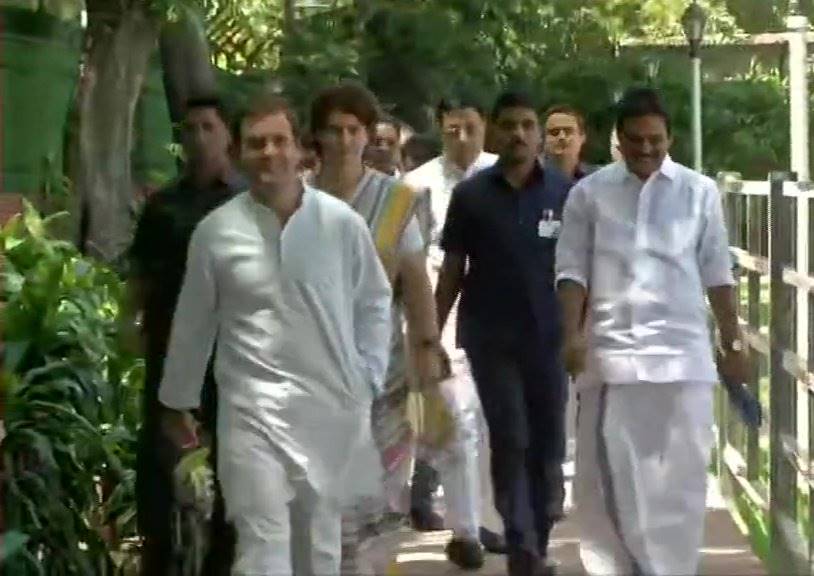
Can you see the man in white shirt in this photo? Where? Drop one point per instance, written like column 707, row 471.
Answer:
column 565, row 137
column 289, row 281
column 643, row 241
column 463, row 128
column 463, row 131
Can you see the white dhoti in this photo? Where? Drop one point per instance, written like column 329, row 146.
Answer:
column 640, row 489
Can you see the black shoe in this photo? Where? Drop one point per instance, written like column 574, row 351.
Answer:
column 493, row 542
column 524, row 563
column 547, row 567
column 426, row 521
column 465, row 554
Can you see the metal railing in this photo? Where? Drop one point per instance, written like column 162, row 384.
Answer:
column 768, row 473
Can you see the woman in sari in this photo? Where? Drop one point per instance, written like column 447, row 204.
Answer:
column 342, row 119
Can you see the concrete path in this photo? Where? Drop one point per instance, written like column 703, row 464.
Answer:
column 726, row 553
column 726, row 550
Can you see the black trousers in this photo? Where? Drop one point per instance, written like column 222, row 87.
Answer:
column 156, row 459
column 523, row 390
column 425, row 484
column 154, row 489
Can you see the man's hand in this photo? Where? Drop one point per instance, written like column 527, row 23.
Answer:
column 181, row 428
column 428, row 364
column 574, row 351
column 446, row 363
column 734, row 366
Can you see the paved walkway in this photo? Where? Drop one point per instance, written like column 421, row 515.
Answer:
column 726, row 550
column 725, row 553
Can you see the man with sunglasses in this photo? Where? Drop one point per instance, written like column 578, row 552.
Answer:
column 462, row 122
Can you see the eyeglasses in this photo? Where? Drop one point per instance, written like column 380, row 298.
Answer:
column 458, row 131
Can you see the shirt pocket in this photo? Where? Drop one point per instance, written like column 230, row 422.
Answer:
column 673, row 238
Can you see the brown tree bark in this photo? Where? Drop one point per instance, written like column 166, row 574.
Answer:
column 113, row 77
column 186, row 61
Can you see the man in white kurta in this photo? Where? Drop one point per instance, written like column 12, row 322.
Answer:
column 643, row 240
column 462, row 125
column 300, row 312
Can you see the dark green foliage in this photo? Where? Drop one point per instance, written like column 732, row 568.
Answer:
column 71, row 398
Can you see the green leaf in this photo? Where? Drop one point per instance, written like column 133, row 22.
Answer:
column 32, row 221
column 14, row 354
column 13, row 542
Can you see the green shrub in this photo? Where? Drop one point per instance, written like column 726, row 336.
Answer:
column 71, row 399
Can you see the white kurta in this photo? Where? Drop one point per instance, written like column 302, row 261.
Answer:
column 646, row 252
column 438, row 177
column 302, row 320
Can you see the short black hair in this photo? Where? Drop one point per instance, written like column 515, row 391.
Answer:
column 512, row 99
column 639, row 102
column 269, row 103
column 349, row 98
column 461, row 101
column 568, row 110
column 208, row 101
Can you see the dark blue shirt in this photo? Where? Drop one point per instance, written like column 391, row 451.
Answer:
column 158, row 257
column 508, row 290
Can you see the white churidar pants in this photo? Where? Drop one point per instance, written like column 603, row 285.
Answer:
column 283, row 526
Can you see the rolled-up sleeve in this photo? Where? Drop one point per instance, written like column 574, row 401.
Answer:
column 714, row 258
column 575, row 245
column 372, row 297
column 194, row 327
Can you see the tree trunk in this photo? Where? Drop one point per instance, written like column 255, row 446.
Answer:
column 186, row 61
column 289, row 16
column 115, row 73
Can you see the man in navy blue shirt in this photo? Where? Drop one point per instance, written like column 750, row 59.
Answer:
column 499, row 239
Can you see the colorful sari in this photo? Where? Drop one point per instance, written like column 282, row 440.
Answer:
column 387, row 205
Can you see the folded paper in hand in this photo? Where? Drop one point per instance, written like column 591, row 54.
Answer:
column 748, row 407
column 432, row 419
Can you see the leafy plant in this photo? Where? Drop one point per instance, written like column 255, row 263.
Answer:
column 71, row 399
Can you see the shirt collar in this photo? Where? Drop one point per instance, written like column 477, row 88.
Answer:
column 580, row 172
column 668, row 169
column 233, row 180
column 308, row 193
column 450, row 168
column 496, row 171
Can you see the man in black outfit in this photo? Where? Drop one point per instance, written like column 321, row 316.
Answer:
column 499, row 240
column 158, row 260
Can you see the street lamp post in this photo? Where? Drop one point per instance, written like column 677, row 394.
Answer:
column 694, row 21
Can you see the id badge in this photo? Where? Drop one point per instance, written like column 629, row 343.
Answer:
column 549, row 228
